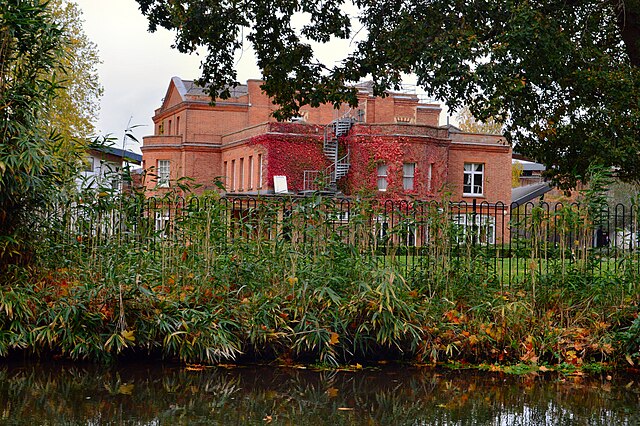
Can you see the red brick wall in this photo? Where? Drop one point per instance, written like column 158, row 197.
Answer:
column 208, row 136
column 242, row 153
column 373, row 145
column 497, row 167
column 290, row 155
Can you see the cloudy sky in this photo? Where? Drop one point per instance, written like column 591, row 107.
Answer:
column 137, row 65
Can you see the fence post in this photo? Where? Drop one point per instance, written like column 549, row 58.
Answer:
column 474, row 233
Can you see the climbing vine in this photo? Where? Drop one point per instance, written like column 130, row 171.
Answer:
column 369, row 151
column 290, row 154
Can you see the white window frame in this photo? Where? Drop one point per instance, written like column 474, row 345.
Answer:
column 471, row 173
column 484, row 227
column 382, row 171
column 408, row 176
column 162, row 218
column 260, row 171
column 382, row 229
column 233, row 175
column 164, row 173
column 90, row 167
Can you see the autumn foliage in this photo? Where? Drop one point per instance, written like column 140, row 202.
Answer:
column 289, row 281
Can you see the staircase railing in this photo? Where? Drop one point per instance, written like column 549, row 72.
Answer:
column 339, row 165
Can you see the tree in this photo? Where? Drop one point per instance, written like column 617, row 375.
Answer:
column 468, row 123
column 75, row 108
column 563, row 76
column 30, row 164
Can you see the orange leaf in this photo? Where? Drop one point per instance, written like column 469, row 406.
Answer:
column 334, row 338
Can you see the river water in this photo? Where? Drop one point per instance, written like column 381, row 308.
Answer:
column 160, row 394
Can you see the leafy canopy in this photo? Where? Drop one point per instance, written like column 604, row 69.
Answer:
column 75, row 108
column 468, row 123
column 563, row 77
column 41, row 74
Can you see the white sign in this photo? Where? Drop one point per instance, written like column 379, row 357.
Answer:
column 280, row 185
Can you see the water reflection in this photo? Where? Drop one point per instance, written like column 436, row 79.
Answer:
column 157, row 395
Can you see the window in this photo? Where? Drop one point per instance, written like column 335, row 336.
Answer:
column 116, row 183
column 89, row 165
column 225, row 171
column 408, row 170
column 409, row 235
column 177, row 125
column 382, row 226
column 259, row 170
column 241, row 174
column 169, row 131
column 233, row 175
column 480, row 228
column 161, row 223
column 382, row 177
column 473, row 179
column 163, row 173
column 250, row 184
column 429, row 177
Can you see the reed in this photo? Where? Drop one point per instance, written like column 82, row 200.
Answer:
column 208, row 279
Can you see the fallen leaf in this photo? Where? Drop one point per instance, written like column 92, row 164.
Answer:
column 126, row 389
column 129, row 335
column 334, row 338
column 332, row 392
column 345, row 409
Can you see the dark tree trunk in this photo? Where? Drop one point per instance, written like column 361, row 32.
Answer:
column 629, row 24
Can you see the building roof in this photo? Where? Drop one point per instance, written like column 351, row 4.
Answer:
column 190, row 88
column 524, row 194
column 129, row 156
column 529, row 165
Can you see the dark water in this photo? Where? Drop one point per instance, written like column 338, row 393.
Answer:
column 45, row 394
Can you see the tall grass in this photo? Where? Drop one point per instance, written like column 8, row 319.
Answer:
column 210, row 279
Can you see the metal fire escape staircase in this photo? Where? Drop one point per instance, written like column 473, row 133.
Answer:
column 339, row 163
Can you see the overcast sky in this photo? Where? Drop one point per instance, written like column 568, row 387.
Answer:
column 137, row 66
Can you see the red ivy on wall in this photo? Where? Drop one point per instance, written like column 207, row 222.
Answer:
column 290, row 155
column 368, row 151
column 292, row 148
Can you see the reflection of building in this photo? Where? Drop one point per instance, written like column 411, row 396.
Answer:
column 390, row 147
column 103, row 167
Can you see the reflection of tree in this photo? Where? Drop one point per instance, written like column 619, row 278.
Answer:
column 392, row 396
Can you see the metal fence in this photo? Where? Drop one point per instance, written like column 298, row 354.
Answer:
column 504, row 241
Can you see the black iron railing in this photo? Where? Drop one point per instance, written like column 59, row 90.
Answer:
column 498, row 240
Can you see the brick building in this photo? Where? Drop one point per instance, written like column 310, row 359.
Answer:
column 391, row 147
